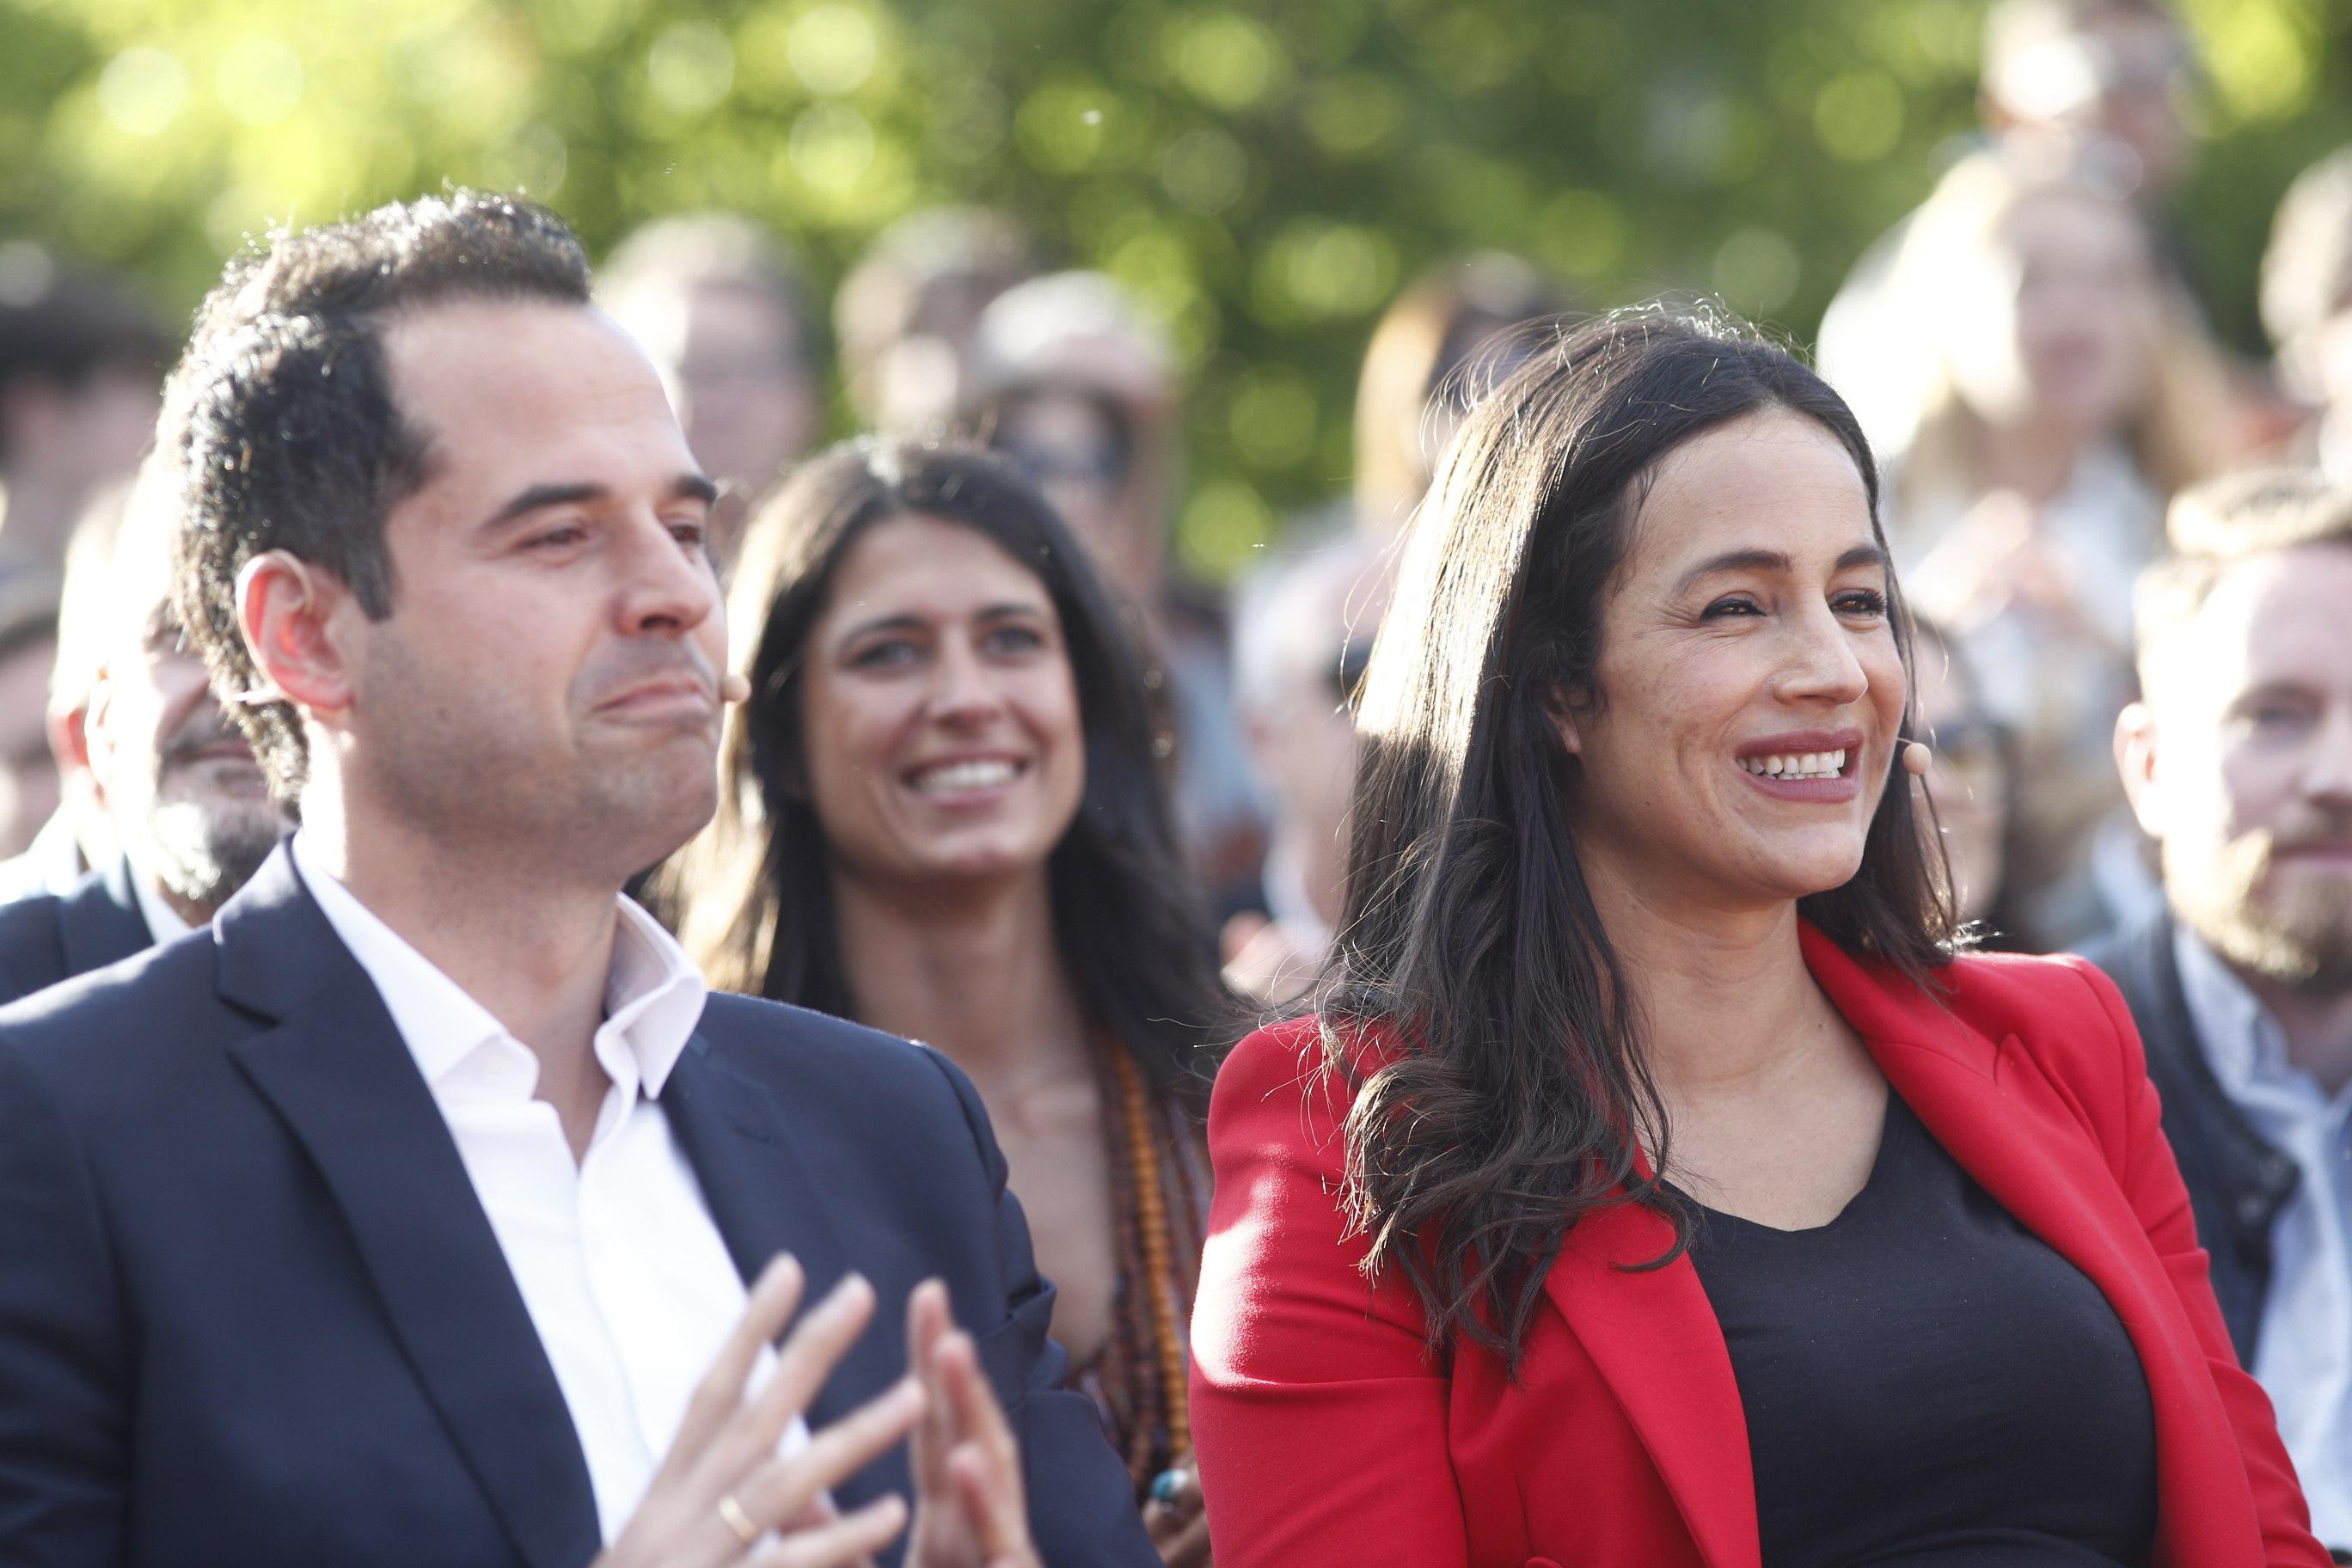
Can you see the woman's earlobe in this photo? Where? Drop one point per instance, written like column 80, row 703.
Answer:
column 1561, row 711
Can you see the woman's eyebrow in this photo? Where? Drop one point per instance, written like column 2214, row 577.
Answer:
column 1776, row 561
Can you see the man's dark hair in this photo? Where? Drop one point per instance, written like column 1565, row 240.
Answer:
column 62, row 324
column 287, row 431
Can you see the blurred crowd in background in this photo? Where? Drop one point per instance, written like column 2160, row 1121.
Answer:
column 2029, row 349
column 2033, row 349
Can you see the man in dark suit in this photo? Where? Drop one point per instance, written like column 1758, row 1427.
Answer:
column 2239, row 761
column 398, row 1220
column 177, row 786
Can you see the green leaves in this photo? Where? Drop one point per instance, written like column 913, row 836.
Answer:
column 1264, row 176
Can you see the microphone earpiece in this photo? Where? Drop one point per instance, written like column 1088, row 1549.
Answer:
column 1916, row 758
column 733, row 688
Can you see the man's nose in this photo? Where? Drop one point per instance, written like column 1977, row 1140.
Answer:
column 665, row 582
column 2327, row 772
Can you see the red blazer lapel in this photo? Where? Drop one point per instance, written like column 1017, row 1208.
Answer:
column 1653, row 1335
column 2014, row 1128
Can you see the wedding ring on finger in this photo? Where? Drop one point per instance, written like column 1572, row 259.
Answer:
column 731, row 1514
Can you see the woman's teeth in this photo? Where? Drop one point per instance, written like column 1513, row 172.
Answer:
column 955, row 777
column 1799, row 765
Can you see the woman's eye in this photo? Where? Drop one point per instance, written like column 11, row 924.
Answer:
column 1863, row 601
column 1724, row 607
column 883, row 655
column 691, row 533
column 569, row 534
column 1015, row 639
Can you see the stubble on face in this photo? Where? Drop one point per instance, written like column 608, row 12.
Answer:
column 211, row 822
column 465, row 761
column 2295, row 931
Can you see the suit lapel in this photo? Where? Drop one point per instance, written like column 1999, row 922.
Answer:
column 337, row 1071
column 102, row 923
column 744, row 1143
column 1655, row 1338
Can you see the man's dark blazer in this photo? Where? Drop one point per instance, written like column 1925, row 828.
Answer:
column 2237, row 1182
column 252, row 1312
column 49, row 937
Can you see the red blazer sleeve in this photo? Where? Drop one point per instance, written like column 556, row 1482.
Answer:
column 1318, row 1421
column 2144, row 1164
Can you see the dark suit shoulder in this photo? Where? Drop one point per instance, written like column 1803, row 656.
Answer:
column 32, row 945
column 110, row 1032
column 782, row 1044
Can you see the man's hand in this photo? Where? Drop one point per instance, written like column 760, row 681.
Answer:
column 723, row 1497
column 969, row 1509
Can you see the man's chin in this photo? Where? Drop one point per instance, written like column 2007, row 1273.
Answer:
column 2296, row 935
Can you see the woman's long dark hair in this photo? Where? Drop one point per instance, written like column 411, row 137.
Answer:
column 1518, row 1101
column 752, row 895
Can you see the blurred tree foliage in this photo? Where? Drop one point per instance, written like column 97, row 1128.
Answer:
column 1264, row 172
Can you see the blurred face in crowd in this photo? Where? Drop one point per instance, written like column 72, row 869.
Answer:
column 85, row 436
column 1082, row 455
column 940, row 718
column 29, row 771
column 737, row 361
column 188, row 803
column 1969, row 779
column 2124, row 77
column 1301, row 727
column 547, row 677
column 2059, row 331
column 2240, row 762
column 1751, row 691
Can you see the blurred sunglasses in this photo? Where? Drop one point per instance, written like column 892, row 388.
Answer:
column 1348, row 673
column 1974, row 743
column 1101, row 466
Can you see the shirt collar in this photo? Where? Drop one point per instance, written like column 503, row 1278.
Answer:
column 2241, row 1039
column 653, row 994
column 164, row 922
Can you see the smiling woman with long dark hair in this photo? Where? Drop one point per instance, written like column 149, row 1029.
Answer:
column 1657, row 1186
column 943, row 812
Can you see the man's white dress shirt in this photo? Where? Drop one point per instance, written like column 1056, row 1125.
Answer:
column 2303, row 1355
column 624, row 1274
column 164, row 922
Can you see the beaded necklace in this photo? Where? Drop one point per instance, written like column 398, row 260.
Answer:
column 1138, row 1375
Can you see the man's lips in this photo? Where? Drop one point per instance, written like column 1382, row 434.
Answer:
column 681, row 692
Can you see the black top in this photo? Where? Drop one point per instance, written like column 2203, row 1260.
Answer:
column 1926, row 1383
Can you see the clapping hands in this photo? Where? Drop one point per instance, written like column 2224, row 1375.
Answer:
column 725, row 1498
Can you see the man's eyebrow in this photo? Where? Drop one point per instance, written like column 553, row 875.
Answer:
column 1760, row 560
column 538, row 497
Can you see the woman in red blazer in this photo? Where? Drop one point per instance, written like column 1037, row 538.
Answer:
column 1657, row 1187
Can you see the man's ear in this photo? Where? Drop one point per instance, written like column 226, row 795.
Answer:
column 2135, row 737
column 68, row 730
column 1561, row 711
column 287, row 608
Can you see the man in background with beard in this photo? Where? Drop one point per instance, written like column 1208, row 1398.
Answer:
column 181, row 797
column 2238, row 761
